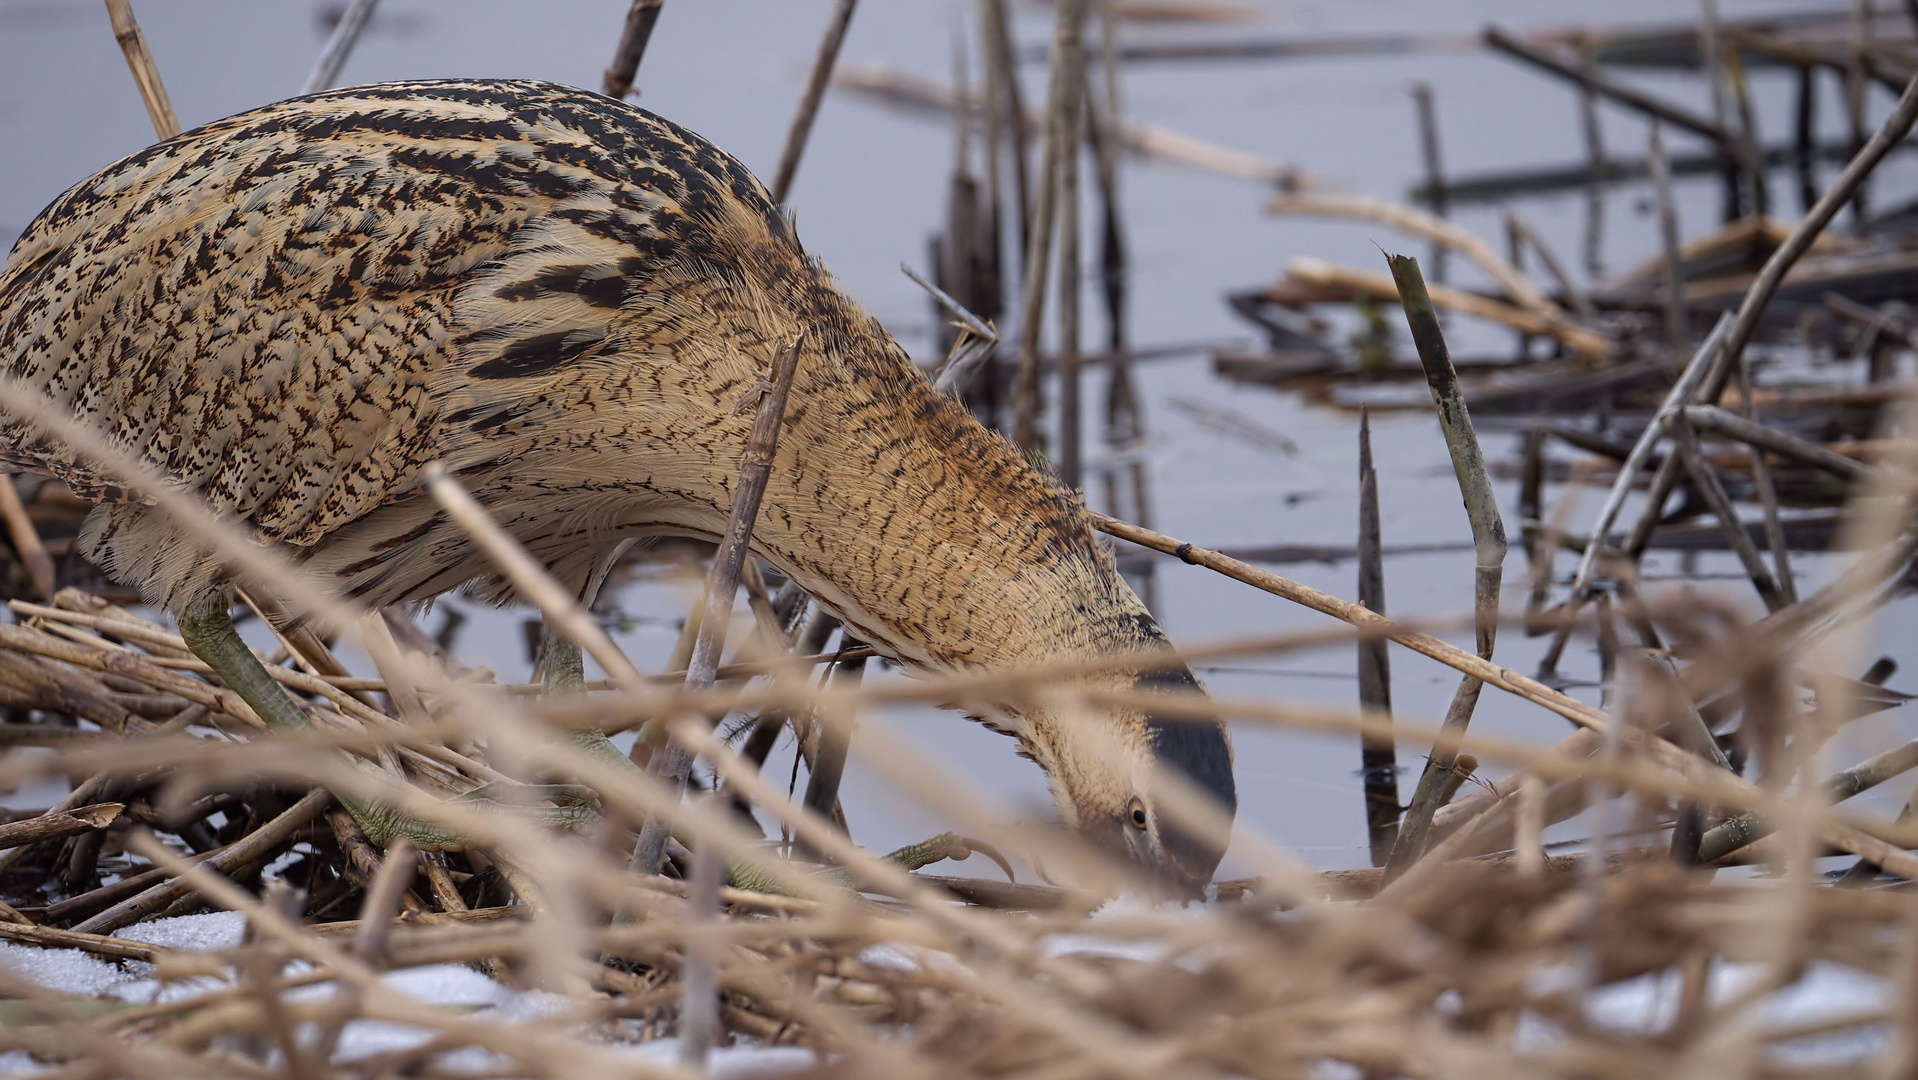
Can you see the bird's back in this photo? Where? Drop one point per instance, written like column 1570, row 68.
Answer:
column 268, row 308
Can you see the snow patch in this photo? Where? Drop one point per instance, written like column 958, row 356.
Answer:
column 194, row 933
column 68, row 970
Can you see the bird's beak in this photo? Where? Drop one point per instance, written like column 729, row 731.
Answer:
column 1194, row 756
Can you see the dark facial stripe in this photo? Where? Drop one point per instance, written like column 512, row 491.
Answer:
column 1198, row 750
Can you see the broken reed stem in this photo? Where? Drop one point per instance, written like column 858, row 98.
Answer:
column 1038, row 262
column 1705, row 481
column 26, row 539
column 968, row 357
column 618, row 79
column 1378, row 758
column 1488, row 536
column 56, row 825
column 326, row 70
column 146, row 74
column 675, row 763
column 382, row 902
column 816, row 84
column 1071, row 440
column 1677, row 322
column 834, row 745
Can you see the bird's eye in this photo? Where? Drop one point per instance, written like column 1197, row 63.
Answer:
column 1136, row 814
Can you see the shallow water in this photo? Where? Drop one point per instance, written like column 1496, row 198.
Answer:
column 870, row 193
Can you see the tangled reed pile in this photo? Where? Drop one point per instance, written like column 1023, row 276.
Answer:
column 1492, row 965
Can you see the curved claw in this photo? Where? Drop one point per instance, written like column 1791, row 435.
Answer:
column 989, row 852
column 947, row 846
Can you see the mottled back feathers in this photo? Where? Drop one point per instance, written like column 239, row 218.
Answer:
column 293, row 310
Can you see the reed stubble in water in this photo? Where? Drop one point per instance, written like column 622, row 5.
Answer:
column 1378, row 757
column 1488, row 536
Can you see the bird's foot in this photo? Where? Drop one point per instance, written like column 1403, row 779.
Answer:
column 912, row 857
column 575, row 811
column 948, row 846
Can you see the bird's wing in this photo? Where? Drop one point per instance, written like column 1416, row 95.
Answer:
column 258, row 310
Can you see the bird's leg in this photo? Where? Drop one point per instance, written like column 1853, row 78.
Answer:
column 564, row 673
column 208, row 631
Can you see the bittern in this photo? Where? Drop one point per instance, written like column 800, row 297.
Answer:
column 564, row 299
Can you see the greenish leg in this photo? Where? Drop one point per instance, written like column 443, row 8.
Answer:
column 564, row 674
column 209, row 632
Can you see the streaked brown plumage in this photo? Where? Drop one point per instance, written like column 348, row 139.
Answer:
column 565, row 299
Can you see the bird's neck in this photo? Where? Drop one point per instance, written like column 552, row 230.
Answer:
column 929, row 534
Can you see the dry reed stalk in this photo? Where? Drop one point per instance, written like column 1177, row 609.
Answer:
column 1677, row 316
column 617, row 82
column 968, row 355
column 1071, row 408
column 53, row 826
column 353, row 22
column 1037, row 266
column 1732, row 426
column 1488, row 537
column 1378, row 758
column 1445, row 653
column 26, row 539
column 1004, row 101
column 109, row 948
column 146, row 74
column 722, row 584
column 816, row 83
column 1584, row 342
column 1431, row 226
column 1146, row 140
column 1591, row 80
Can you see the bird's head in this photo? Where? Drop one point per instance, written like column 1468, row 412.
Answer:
column 1124, row 777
